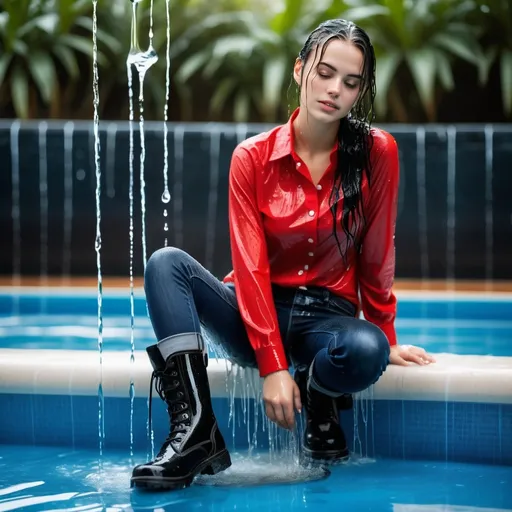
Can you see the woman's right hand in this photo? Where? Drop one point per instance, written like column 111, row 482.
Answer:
column 281, row 396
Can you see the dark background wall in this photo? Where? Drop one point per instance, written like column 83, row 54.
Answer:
column 462, row 215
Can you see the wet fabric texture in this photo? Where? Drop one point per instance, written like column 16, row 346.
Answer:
column 281, row 231
column 349, row 354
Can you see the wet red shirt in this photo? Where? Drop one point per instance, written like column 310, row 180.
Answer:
column 281, row 232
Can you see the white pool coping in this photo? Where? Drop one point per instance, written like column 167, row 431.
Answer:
column 454, row 378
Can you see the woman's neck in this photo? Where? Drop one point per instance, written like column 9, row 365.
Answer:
column 312, row 137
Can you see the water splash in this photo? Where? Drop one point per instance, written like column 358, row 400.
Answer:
column 43, row 207
column 97, row 245
column 69, row 128
column 15, row 213
column 262, row 469
column 489, row 239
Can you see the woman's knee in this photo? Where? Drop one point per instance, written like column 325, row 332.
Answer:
column 363, row 351
column 368, row 345
column 163, row 261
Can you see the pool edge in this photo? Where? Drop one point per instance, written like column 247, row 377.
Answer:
column 453, row 378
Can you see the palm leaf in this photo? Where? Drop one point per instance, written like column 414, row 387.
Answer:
column 274, row 74
column 422, row 64
column 387, row 65
column 19, row 92
column 506, row 80
column 219, row 98
column 67, row 59
column 242, row 102
column 42, row 69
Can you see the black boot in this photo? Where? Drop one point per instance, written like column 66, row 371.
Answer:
column 195, row 444
column 324, row 440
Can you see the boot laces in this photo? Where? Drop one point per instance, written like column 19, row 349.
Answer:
column 167, row 385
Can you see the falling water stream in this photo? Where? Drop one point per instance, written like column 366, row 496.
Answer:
column 166, row 197
column 97, row 245
column 141, row 61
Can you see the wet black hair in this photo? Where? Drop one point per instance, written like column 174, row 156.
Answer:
column 354, row 134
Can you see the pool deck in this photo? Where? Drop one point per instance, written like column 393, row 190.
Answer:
column 457, row 378
column 453, row 378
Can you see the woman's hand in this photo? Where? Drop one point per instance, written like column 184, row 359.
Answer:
column 281, row 395
column 404, row 354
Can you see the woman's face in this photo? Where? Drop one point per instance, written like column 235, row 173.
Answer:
column 331, row 82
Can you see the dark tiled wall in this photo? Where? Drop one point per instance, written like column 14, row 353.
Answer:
column 461, row 216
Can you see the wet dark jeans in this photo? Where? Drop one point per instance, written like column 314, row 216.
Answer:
column 349, row 354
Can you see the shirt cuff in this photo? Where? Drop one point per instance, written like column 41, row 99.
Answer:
column 271, row 359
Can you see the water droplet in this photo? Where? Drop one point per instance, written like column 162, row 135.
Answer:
column 166, row 197
column 165, row 213
column 166, row 227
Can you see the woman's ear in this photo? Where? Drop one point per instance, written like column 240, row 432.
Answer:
column 297, row 71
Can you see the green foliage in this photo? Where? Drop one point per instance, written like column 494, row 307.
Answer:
column 423, row 38
column 496, row 18
column 39, row 41
column 233, row 59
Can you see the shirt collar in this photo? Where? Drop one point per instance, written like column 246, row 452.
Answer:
column 283, row 145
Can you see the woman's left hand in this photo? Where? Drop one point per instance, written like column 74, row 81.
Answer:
column 405, row 354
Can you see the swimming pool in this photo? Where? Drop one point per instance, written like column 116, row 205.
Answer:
column 423, row 439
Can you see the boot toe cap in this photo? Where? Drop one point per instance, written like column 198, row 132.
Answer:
column 145, row 470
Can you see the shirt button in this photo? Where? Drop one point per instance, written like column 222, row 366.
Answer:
column 310, row 240
column 311, row 213
column 298, row 165
column 301, row 272
column 306, row 267
column 319, row 187
column 311, row 253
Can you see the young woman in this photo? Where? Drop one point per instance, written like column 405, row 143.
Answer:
column 312, row 210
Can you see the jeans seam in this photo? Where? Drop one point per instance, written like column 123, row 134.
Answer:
column 195, row 276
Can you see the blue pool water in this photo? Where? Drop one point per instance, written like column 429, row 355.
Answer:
column 50, row 458
column 59, row 479
column 466, row 325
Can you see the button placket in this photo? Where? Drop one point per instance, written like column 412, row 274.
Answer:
column 313, row 199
